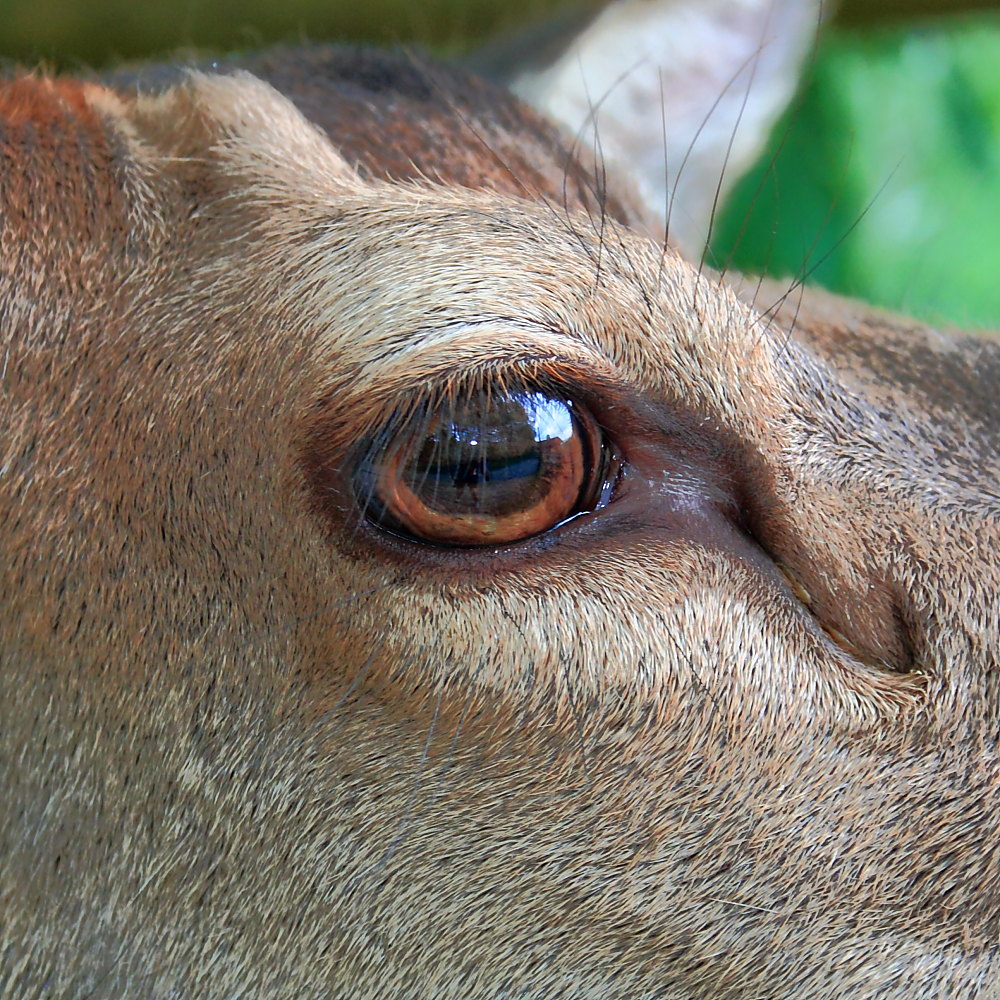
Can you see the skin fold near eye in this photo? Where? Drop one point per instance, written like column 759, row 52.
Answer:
column 489, row 469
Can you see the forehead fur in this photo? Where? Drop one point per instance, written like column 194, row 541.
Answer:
column 247, row 125
column 404, row 278
column 417, row 262
column 396, row 116
column 70, row 164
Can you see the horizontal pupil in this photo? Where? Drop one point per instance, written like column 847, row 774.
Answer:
column 494, row 461
column 481, row 485
column 480, row 469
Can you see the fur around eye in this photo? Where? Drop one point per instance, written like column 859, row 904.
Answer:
column 488, row 469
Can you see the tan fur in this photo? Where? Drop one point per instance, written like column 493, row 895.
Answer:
column 253, row 747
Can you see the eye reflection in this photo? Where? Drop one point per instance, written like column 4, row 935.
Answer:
column 493, row 469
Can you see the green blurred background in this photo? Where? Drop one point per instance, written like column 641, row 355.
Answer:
column 887, row 183
column 883, row 181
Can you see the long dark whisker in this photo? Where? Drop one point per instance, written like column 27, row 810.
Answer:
column 792, row 114
column 671, row 199
column 804, row 275
column 717, row 195
column 665, row 244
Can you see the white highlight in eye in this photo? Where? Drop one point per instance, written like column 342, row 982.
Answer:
column 550, row 418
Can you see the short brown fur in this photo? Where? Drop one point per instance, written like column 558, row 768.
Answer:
column 733, row 736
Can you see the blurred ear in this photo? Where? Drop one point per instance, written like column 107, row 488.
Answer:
column 674, row 97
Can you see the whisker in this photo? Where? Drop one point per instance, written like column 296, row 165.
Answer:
column 788, row 119
column 665, row 244
column 754, row 66
column 800, row 280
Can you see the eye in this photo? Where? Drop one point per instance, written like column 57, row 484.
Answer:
column 490, row 469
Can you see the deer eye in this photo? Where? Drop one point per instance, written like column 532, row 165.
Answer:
column 489, row 469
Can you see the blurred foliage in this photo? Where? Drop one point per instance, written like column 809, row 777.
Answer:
column 883, row 182
column 70, row 33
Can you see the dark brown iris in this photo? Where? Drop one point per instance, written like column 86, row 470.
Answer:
column 489, row 470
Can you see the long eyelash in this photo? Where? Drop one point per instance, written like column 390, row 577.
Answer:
column 406, row 412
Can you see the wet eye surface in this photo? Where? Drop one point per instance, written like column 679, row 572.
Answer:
column 490, row 469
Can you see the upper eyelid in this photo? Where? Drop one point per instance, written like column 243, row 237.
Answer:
column 387, row 391
column 479, row 345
